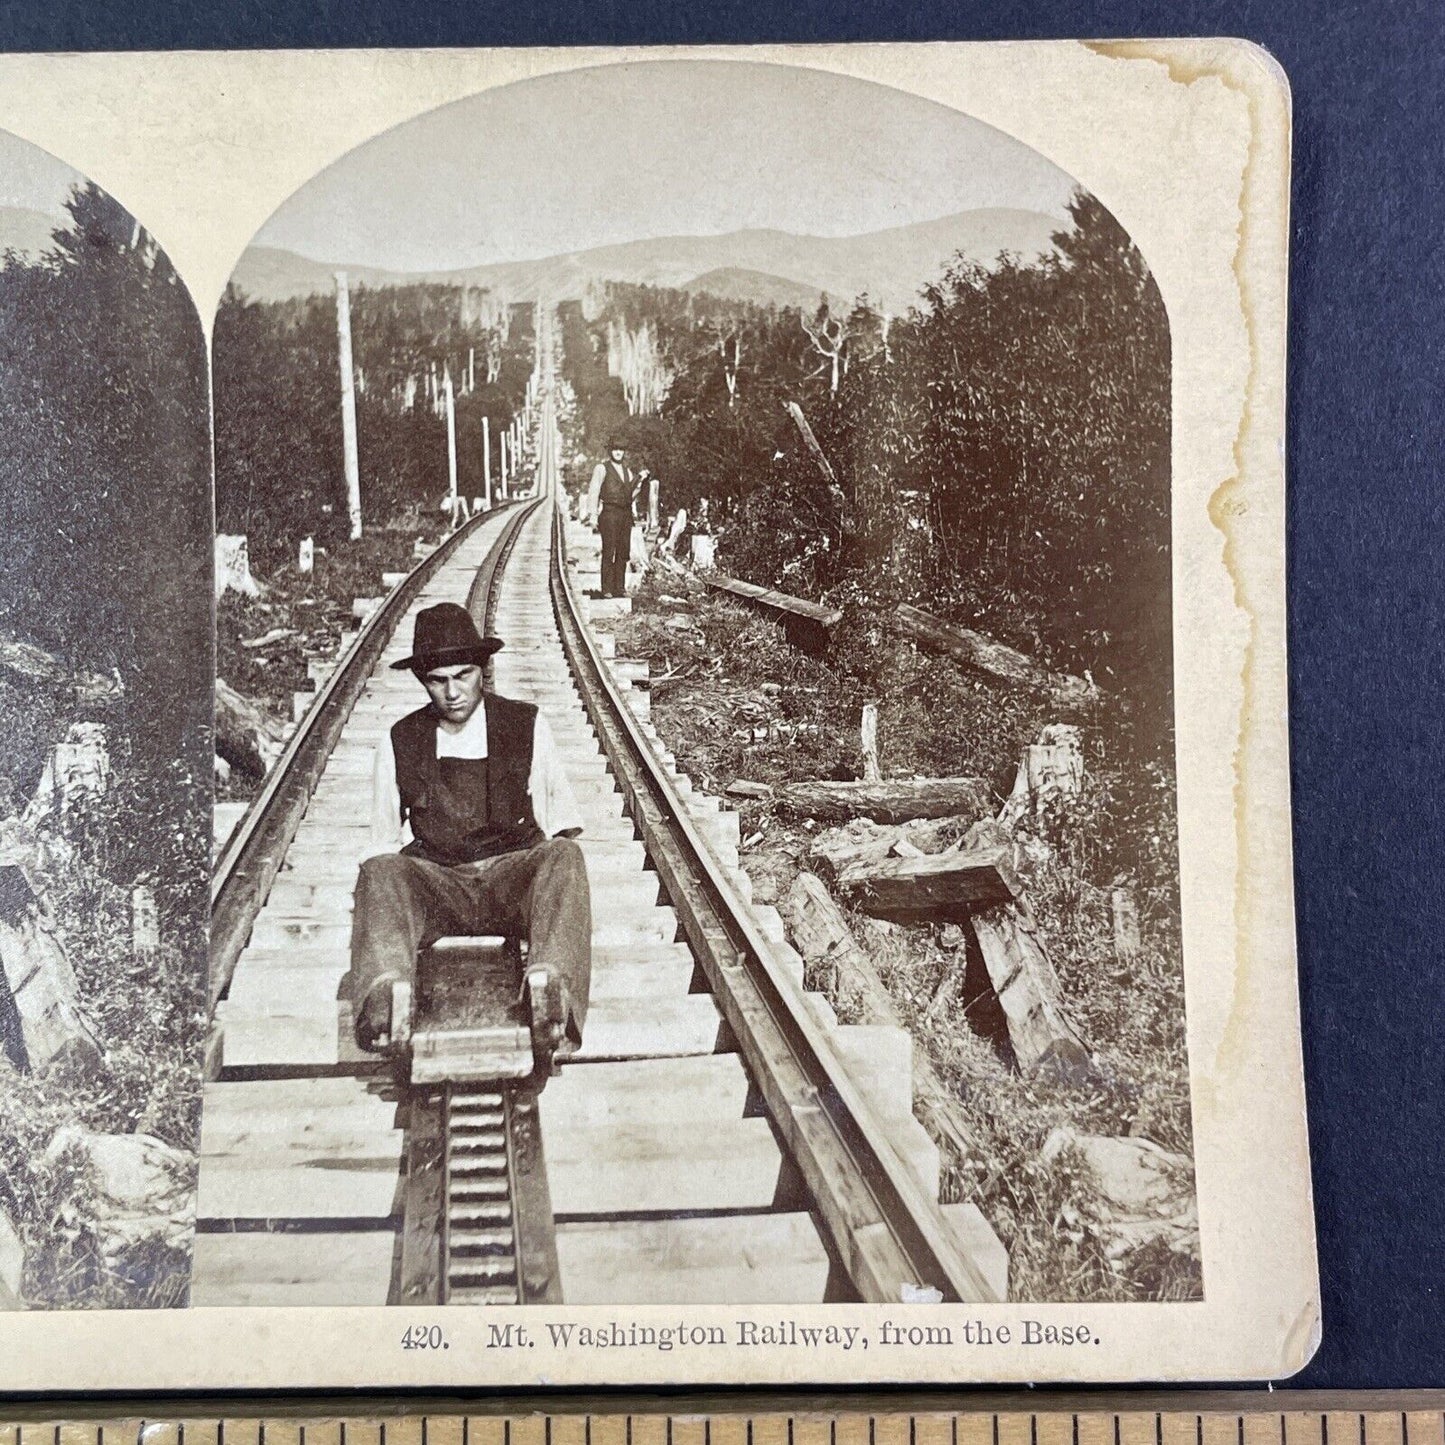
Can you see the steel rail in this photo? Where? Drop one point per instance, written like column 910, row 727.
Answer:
column 485, row 589
column 888, row 1234
column 248, row 864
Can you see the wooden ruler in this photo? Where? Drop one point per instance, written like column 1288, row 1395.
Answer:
column 1176, row 1418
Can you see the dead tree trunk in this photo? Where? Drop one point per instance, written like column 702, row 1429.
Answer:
column 1051, row 767
column 984, row 655
column 823, row 938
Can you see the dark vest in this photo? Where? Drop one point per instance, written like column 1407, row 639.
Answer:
column 462, row 810
column 617, row 486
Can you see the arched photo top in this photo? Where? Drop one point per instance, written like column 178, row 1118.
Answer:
column 777, row 181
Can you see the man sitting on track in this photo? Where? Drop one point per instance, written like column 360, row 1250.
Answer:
column 492, row 817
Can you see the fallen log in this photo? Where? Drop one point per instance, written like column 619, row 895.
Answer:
column 860, row 841
column 1023, row 977
column 891, row 801
column 933, row 887
column 742, row 788
column 36, row 665
column 40, row 1014
column 991, row 658
column 807, row 625
column 245, row 736
column 822, row 936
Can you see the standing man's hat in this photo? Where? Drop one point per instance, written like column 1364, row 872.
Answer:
column 616, row 444
column 446, row 635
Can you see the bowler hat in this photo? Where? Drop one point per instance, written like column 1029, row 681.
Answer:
column 446, row 635
column 616, row 444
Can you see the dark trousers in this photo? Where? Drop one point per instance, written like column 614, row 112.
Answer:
column 540, row 894
column 614, row 525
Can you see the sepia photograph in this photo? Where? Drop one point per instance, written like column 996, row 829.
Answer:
column 105, row 788
column 697, row 812
column 648, row 713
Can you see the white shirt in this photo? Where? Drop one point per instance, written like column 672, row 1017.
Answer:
column 554, row 805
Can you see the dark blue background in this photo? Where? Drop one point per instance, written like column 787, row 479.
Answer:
column 1367, row 558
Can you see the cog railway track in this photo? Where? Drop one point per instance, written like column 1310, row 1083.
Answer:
column 718, row 1139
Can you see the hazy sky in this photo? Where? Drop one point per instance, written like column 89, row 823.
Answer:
column 654, row 148
column 32, row 178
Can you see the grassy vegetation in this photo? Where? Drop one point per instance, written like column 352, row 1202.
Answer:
column 148, row 1014
column 733, row 700
column 314, row 610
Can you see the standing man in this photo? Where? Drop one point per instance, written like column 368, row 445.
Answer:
column 609, row 501
column 476, row 781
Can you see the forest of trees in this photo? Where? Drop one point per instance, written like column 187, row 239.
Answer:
column 279, row 466
column 105, row 566
column 1000, row 453
column 105, row 530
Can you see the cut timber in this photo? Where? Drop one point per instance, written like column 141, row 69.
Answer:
column 1023, row 977
column 807, row 625
column 823, row 937
column 862, row 841
column 984, row 655
column 245, row 737
column 40, row 1015
column 935, row 887
column 894, row 801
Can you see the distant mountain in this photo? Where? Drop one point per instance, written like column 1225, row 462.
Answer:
column 736, row 283
column 761, row 265
column 26, row 230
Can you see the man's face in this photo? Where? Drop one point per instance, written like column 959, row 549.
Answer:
column 618, row 453
column 455, row 691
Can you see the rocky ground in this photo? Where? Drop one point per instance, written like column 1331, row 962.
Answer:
column 1089, row 1181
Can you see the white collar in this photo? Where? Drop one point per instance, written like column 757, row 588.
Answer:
column 470, row 741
